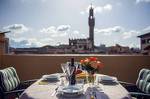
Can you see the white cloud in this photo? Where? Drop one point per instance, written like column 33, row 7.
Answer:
column 147, row 29
column 16, row 28
column 59, row 31
column 51, row 30
column 82, row 12
column 127, row 35
column 19, row 43
column 51, row 36
column 63, row 34
column 117, row 31
column 109, row 31
column 34, row 42
column 63, row 28
column 75, row 32
column 139, row 1
column 98, row 9
column 117, row 35
column 107, row 7
column 30, row 42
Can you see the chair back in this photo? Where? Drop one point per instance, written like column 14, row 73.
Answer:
column 9, row 79
column 142, row 80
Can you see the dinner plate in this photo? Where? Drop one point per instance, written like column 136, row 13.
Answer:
column 71, row 90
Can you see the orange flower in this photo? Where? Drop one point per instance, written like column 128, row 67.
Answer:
column 81, row 61
column 91, row 62
column 100, row 64
column 93, row 59
column 86, row 60
column 94, row 65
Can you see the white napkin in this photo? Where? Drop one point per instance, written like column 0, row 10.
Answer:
column 108, row 79
column 51, row 77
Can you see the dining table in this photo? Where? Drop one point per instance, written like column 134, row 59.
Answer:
column 48, row 90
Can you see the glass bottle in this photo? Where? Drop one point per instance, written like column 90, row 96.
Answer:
column 73, row 70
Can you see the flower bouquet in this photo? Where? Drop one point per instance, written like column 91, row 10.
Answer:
column 91, row 65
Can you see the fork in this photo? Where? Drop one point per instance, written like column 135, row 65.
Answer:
column 55, row 91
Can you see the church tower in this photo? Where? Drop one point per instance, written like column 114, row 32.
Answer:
column 91, row 22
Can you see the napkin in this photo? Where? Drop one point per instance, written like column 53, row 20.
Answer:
column 43, row 82
column 51, row 77
column 108, row 79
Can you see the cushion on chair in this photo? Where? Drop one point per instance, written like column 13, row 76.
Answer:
column 148, row 88
column 9, row 79
column 141, row 78
column 142, row 85
column 147, row 85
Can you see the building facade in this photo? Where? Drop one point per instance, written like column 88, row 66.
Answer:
column 4, row 43
column 86, row 44
column 118, row 49
column 145, row 43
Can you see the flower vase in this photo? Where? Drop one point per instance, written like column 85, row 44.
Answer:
column 91, row 78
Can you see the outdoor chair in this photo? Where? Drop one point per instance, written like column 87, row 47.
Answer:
column 140, row 90
column 10, row 85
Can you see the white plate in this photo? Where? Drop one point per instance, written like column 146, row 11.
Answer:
column 56, row 75
column 51, row 77
column 107, row 78
column 71, row 90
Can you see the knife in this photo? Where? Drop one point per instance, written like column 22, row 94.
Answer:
column 95, row 95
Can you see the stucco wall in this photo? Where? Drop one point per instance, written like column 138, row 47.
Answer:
column 125, row 68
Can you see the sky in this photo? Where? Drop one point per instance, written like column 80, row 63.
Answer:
column 35, row 23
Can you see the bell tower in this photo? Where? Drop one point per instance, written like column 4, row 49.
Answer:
column 91, row 22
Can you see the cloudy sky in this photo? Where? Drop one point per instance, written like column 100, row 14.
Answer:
column 35, row 23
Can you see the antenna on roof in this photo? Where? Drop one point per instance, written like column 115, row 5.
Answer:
column 4, row 32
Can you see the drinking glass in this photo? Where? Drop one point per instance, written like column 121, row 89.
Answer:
column 67, row 70
column 64, row 68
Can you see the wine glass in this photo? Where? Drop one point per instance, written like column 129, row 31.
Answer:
column 64, row 68
column 67, row 70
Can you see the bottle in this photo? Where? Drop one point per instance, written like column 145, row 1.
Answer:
column 73, row 76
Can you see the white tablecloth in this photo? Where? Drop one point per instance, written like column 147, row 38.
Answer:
column 36, row 91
